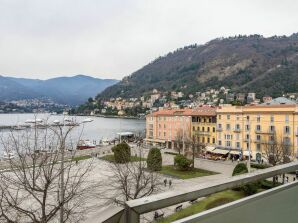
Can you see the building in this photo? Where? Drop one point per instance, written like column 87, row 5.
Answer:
column 169, row 127
column 203, row 125
column 241, row 129
column 251, row 97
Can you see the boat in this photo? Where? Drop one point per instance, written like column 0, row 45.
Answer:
column 85, row 144
column 19, row 127
column 105, row 142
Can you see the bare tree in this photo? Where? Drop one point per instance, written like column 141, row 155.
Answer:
column 42, row 181
column 179, row 140
column 277, row 150
column 131, row 180
column 195, row 147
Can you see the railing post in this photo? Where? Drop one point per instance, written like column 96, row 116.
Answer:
column 131, row 216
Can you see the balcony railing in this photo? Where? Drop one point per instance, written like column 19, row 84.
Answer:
column 237, row 130
column 134, row 208
column 219, row 129
column 201, row 132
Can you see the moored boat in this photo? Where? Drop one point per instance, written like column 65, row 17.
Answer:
column 85, row 144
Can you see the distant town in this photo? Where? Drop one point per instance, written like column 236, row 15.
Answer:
column 157, row 100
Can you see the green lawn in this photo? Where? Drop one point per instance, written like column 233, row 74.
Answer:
column 111, row 158
column 171, row 171
column 209, row 202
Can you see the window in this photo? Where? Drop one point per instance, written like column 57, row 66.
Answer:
column 213, row 129
column 238, row 145
column 247, row 117
column 159, row 125
column 258, row 147
column 228, row 126
column 208, row 129
column 219, row 142
column 247, row 127
column 258, row 128
column 228, row 117
column 228, row 143
column 194, row 128
column 287, row 119
column 237, row 136
column 210, row 120
column 237, row 117
column 198, row 128
column 203, row 139
column 247, row 146
column 271, row 138
column 258, row 118
column 247, row 137
column 203, row 129
column 208, row 140
column 287, row 130
column 213, row 140
column 258, row 137
column 219, row 135
column 164, row 126
column 271, row 118
column 219, row 126
column 271, row 128
column 219, row 117
column 237, row 127
column 164, row 134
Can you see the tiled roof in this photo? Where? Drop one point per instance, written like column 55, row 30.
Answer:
column 200, row 111
column 280, row 101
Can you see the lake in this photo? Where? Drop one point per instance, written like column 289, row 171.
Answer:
column 98, row 129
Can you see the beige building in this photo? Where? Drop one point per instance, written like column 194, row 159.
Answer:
column 241, row 129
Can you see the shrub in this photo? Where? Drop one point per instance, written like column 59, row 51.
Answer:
column 182, row 162
column 259, row 166
column 240, row 168
column 154, row 160
column 250, row 188
column 121, row 153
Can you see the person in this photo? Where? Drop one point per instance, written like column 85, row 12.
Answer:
column 262, row 161
column 77, row 162
column 165, row 182
column 232, row 159
column 170, row 183
column 287, row 179
column 294, row 178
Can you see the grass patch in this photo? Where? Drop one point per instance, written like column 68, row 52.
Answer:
column 211, row 201
column 192, row 173
column 111, row 158
column 78, row 158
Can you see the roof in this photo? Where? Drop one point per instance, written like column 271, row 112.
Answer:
column 280, row 101
column 199, row 111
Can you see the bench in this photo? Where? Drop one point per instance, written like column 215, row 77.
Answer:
column 158, row 215
column 178, row 208
column 193, row 201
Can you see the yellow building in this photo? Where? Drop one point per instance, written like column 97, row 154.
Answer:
column 251, row 128
column 203, row 126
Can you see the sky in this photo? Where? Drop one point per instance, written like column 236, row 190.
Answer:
column 113, row 38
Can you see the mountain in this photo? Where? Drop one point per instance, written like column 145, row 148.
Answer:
column 67, row 90
column 267, row 66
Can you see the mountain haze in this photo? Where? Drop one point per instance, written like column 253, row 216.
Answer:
column 67, row 90
column 267, row 66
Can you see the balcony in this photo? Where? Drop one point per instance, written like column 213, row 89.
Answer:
column 196, row 132
column 237, row 130
column 219, row 129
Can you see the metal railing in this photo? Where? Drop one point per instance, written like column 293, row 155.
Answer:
column 134, row 208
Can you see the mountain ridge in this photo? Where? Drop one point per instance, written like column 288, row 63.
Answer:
column 267, row 66
column 72, row 90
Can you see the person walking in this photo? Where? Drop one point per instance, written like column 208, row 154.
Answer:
column 170, row 183
column 165, row 182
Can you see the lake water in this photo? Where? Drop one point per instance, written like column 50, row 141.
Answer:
column 98, row 129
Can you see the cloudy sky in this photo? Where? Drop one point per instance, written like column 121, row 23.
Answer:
column 113, row 38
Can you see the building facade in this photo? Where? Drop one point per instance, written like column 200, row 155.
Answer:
column 249, row 129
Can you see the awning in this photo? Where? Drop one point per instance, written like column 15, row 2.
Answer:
column 233, row 152
column 220, row 151
column 209, row 148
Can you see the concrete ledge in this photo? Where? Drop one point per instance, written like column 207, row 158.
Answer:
column 166, row 199
column 109, row 215
column 235, row 204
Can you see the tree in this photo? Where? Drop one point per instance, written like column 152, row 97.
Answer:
column 277, row 150
column 240, row 168
column 180, row 140
column 129, row 181
column 195, row 147
column 42, row 182
column 182, row 162
column 154, row 160
column 122, row 153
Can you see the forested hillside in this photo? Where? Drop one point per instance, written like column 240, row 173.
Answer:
column 267, row 66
